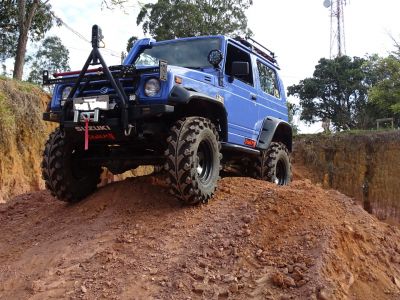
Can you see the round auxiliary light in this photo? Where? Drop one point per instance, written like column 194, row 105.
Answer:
column 152, row 87
column 215, row 57
column 65, row 92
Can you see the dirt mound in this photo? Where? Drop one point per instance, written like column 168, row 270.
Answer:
column 130, row 240
column 22, row 136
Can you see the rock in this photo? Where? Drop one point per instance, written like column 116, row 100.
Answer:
column 301, row 283
column 153, row 271
column 280, row 280
column 234, row 288
column 246, row 219
column 247, row 232
column 203, row 264
column 395, row 259
column 228, row 278
column 258, row 253
column 37, row 286
column 198, row 288
column 289, row 281
column 226, row 244
column 197, row 274
column 396, row 281
column 223, row 293
column 324, row 294
column 83, row 289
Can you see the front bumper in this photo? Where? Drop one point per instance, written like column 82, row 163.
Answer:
column 135, row 113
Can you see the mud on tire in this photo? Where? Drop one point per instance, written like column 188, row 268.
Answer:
column 273, row 165
column 65, row 175
column 193, row 159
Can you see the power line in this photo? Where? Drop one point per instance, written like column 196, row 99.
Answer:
column 79, row 35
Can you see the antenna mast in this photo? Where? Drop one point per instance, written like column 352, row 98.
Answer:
column 337, row 38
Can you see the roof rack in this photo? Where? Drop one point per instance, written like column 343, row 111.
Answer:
column 258, row 48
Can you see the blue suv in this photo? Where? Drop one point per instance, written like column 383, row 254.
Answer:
column 196, row 106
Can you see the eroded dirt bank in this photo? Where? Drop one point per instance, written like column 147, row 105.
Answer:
column 365, row 166
column 22, row 137
column 254, row 240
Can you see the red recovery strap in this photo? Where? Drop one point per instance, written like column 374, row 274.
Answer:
column 86, row 134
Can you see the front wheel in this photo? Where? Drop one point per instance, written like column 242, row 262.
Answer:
column 66, row 176
column 273, row 165
column 193, row 159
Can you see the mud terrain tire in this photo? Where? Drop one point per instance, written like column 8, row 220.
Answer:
column 67, row 177
column 274, row 165
column 193, row 159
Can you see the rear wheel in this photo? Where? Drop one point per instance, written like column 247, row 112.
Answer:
column 67, row 177
column 193, row 159
column 273, row 165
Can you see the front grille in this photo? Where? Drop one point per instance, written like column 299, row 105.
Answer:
column 105, row 88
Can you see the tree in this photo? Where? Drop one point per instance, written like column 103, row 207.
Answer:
column 337, row 91
column 386, row 91
column 293, row 109
column 131, row 41
column 21, row 20
column 169, row 19
column 51, row 55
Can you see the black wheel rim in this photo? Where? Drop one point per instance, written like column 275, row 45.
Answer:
column 204, row 166
column 281, row 173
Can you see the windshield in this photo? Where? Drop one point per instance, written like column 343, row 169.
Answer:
column 189, row 53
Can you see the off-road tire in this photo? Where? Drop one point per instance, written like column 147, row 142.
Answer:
column 273, row 165
column 67, row 178
column 193, row 159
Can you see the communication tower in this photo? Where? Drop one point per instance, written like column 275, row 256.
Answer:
column 337, row 38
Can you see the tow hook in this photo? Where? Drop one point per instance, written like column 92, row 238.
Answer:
column 128, row 131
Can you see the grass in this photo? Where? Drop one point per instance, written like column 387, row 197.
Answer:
column 7, row 121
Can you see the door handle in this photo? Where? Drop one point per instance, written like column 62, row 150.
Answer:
column 253, row 96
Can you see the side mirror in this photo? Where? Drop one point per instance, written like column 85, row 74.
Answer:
column 215, row 57
column 240, row 68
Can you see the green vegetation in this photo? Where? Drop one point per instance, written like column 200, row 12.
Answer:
column 7, row 122
column 338, row 91
column 169, row 19
column 386, row 92
column 19, row 21
column 351, row 92
column 20, row 111
column 51, row 55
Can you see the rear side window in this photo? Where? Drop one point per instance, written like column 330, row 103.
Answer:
column 268, row 80
column 235, row 54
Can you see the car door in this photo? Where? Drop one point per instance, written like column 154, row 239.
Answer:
column 240, row 96
column 271, row 96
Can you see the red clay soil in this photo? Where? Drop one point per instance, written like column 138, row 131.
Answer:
column 253, row 240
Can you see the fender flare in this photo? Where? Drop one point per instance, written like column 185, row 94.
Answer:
column 182, row 96
column 274, row 129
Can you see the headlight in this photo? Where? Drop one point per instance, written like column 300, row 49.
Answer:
column 152, row 87
column 65, row 92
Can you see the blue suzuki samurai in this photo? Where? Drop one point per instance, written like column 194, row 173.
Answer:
column 196, row 106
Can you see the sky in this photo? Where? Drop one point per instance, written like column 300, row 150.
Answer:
column 297, row 31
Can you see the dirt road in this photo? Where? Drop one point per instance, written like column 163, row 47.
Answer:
column 253, row 240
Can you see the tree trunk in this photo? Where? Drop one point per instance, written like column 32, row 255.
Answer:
column 24, row 24
column 20, row 57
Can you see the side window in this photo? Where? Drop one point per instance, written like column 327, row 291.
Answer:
column 268, row 80
column 235, row 54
